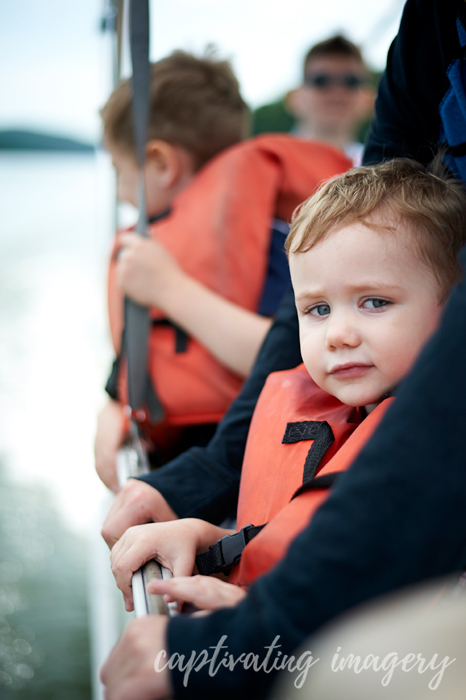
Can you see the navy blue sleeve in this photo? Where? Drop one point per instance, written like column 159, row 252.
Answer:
column 278, row 278
column 396, row 517
column 204, row 482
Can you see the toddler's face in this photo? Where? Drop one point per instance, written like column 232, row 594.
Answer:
column 366, row 305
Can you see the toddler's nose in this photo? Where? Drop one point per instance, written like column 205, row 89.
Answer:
column 342, row 331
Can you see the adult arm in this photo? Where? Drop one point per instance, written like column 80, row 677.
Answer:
column 395, row 518
column 406, row 121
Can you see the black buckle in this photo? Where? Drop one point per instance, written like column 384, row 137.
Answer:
column 232, row 547
column 226, row 552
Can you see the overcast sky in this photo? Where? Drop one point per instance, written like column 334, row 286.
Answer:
column 55, row 63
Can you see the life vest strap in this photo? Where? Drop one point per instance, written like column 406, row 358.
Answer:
column 226, row 552
column 181, row 337
column 325, row 481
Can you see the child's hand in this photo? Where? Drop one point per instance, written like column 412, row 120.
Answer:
column 108, row 440
column 205, row 592
column 173, row 544
column 135, row 504
column 145, row 269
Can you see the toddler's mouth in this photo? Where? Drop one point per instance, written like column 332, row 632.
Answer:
column 350, row 369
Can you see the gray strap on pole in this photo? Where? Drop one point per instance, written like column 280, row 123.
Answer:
column 139, row 32
column 119, row 39
column 137, row 319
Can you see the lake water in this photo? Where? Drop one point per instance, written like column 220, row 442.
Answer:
column 55, row 235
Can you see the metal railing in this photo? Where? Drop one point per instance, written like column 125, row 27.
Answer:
column 132, row 461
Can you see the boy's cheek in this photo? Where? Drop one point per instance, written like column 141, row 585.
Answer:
column 315, row 369
column 312, row 350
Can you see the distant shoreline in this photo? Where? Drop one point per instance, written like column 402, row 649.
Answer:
column 24, row 140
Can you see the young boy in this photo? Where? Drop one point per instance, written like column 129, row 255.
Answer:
column 335, row 96
column 213, row 270
column 373, row 256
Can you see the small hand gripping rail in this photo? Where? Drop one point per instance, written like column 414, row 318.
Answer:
column 132, row 461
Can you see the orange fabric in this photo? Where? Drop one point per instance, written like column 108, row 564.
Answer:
column 219, row 232
column 272, row 473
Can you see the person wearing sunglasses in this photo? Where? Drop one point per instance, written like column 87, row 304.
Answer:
column 335, row 96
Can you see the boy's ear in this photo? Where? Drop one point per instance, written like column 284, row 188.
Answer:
column 366, row 102
column 295, row 101
column 168, row 161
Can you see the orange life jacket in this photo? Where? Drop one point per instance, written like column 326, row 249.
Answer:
column 272, row 473
column 219, row 232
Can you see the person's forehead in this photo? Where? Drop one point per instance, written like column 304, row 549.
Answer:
column 355, row 239
column 334, row 63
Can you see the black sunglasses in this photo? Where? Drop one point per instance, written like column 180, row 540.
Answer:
column 324, row 80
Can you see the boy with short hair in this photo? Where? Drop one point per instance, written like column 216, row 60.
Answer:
column 373, row 256
column 213, row 270
column 335, row 95
column 182, row 136
column 195, row 104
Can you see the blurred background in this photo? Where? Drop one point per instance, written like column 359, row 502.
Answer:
column 57, row 209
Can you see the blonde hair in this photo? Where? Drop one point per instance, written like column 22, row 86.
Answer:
column 194, row 103
column 430, row 201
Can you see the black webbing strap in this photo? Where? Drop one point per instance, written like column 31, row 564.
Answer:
column 226, row 552
column 137, row 320
column 325, row 481
column 181, row 337
column 222, row 555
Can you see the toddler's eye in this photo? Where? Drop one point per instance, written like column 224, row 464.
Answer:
column 374, row 303
column 320, row 310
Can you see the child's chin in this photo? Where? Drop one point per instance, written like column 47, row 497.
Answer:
column 357, row 400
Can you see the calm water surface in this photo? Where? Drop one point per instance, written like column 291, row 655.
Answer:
column 55, row 233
